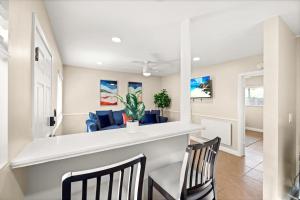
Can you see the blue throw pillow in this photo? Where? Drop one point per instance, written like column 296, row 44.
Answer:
column 146, row 113
column 149, row 119
column 106, row 112
column 104, row 121
column 157, row 112
column 118, row 117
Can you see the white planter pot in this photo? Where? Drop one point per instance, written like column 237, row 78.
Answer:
column 132, row 126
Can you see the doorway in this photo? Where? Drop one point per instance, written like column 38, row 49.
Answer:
column 42, row 82
column 254, row 105
column 250, row 122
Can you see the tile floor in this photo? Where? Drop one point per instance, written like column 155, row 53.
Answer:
column 241, row 178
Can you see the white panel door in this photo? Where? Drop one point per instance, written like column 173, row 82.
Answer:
column 42, row 88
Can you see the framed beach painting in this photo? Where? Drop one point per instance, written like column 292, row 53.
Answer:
column 108, row 92
column 136, row 87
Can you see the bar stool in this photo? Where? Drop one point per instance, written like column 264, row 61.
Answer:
column 100, row 183
column 193, row 178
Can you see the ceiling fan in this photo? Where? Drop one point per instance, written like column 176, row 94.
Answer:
column 151, row 66
column 148, row 66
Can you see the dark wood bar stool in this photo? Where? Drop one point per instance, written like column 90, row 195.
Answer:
column 193, row 178
column 102, row 183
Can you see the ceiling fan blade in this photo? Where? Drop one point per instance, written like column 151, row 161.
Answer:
column 169, row 61
column 156, row 57
column 138, row 62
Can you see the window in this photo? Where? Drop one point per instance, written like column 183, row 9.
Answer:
column 3, row 84
column 59, row 97
column 254, row 96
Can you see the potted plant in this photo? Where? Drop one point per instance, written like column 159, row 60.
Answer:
column 134, row 109
column 162, row 100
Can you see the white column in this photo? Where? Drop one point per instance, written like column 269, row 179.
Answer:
column 185, row 71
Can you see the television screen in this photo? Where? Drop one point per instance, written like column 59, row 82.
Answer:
column 201, row 87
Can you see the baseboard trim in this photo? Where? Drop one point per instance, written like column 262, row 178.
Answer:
column 255, row 129
column 205, row 116
column 222, row 147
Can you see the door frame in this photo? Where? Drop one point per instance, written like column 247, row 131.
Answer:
column 241, row 107
column 4, row 56
column 37, row 30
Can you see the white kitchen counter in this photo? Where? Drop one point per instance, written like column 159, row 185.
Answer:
column 68, row 146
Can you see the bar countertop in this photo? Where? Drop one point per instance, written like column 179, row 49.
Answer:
column 73, row 145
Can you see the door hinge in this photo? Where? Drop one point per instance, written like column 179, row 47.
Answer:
column 36, row 54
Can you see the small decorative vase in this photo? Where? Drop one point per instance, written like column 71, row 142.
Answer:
column 132, row 126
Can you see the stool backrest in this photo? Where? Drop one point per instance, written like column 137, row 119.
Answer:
column 198, row 168
column 108, row 171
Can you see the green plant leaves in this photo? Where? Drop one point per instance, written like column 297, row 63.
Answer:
column 133, row 108
column 162, row 99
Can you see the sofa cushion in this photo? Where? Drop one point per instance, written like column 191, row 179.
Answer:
column 104, row 121
column 106, row 112
column 111, row 127
column 149, row 119
column 91, row 126
column 146, row 112
column 118, row 118
column 94, row 118
column 162, row 119
column 157, row 112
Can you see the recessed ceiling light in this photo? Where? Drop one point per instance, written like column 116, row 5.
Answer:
column 196, row 59
column 116, row 40
column 99, row 63
column 146, row 74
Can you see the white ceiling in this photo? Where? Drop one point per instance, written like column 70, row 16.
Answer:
column 150, row 30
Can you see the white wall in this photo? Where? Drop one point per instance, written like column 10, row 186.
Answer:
column 82, row 93
column 280, row 101
column 12, row 183
column 254, row 118
column 254, row 114
column 224, row 102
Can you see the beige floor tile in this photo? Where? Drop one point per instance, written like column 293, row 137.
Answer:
column 255, row 174
column 241, row 189
column 240, row 178
column 260, row 167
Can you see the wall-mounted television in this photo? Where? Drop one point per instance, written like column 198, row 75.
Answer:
column 201, row 87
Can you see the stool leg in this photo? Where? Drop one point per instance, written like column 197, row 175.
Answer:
column 150, row 188
column 214, row 189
